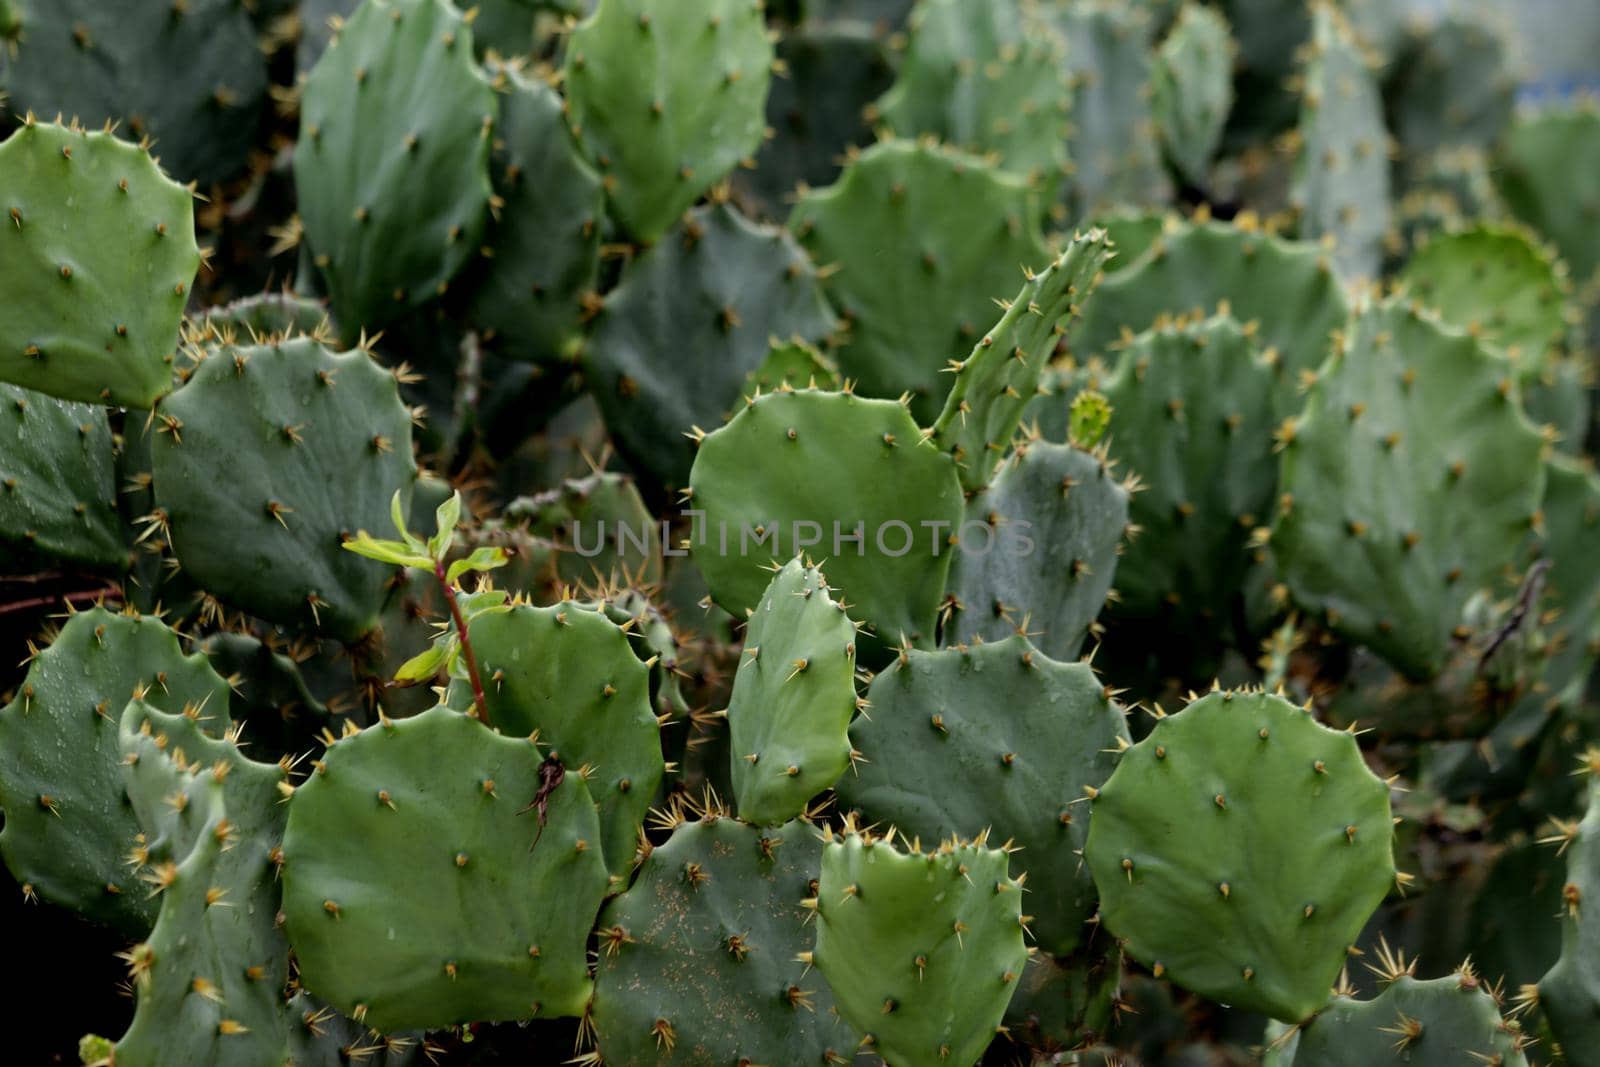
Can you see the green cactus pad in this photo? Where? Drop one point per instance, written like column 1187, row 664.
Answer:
column 728, row 901
column 691, row 317
column 68, row 825
column 270, row 693
column 1549, row 174
column 209, row 978
column 1497, row 284
column 920, row 240
column 298, row 448
column 1455, row 85
column 667, row 98
column 487, row 927
column 544, row 246
column 923, row 951
column 1116, row 149
column 190, row 76
column 1407, row 483
column 997, row 737
column 392, row 167
column 99, row 252
column 795, row 364
column 807, row 466
column 1239, row 849
column 985, row 78
column 265, row 317
column 1038, row 549
column 1286, row 288
column 994, row 385
column 1191, row 413
column 589, row 531
column 1342, row 173
column 569, row 676
column 1194, row 90
column 1569, row 995
column 57, row 486
column 835, row 70
column 1438, row 1023
column 793, row 697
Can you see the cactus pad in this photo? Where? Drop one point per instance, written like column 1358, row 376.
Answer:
column 1286, row 288
column 1240, row 848
column 488, row 928
column 1438, row 1023
column 667, row 98
column 1407, row 484
column 569, row 676
column 300, row 448
column 793, row 697
column 99, row 252
column 1569, row 994
column 392, row 168
column 728, row 900
column 1194, row 90
column 923, row 950
column 995, row 383
column 1038, row 549
column 998, row 737
column 985, row 78
column 57, row 491
column 544, row 247
column 759, row 483
column 68, row 824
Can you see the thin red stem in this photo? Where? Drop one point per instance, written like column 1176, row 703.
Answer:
column 482, row 705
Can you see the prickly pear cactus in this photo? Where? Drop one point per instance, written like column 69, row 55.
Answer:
column 399, row 87
column 1116, row 150
column 489, row 928
column 666, row 99
column 793, row 697
column 921, row 240
column 691, row 317
column 732, row 898
column 302, row 448
column 1342, row 179
column 1547, row 176
column 1037, row 552
column 1449, row 471
column 755, row 486
column 100, row 254
column 1569, row 995
column 261, row 318
column 68, row 824
column 57, row 480
column 1448, row 1020
column 1193, row 82
column 995, row 383
column 569, row 678
column 1286, row 288
column 1455, row 85
column 1191, row 413
column 985, row 78
column 1498, row 284
column 1177, row 836
column 208, row 980
column 190, row 76
column 923, row 950
column 998, row 737
column 543, row 247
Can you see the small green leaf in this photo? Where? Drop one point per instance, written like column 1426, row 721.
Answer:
column 422, row 667
column 364, row 544
column 482, row 559
column 446, row 517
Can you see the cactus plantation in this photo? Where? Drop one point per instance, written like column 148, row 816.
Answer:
column 711, row 533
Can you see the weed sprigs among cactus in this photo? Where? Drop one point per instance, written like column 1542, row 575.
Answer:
column 941, row 532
